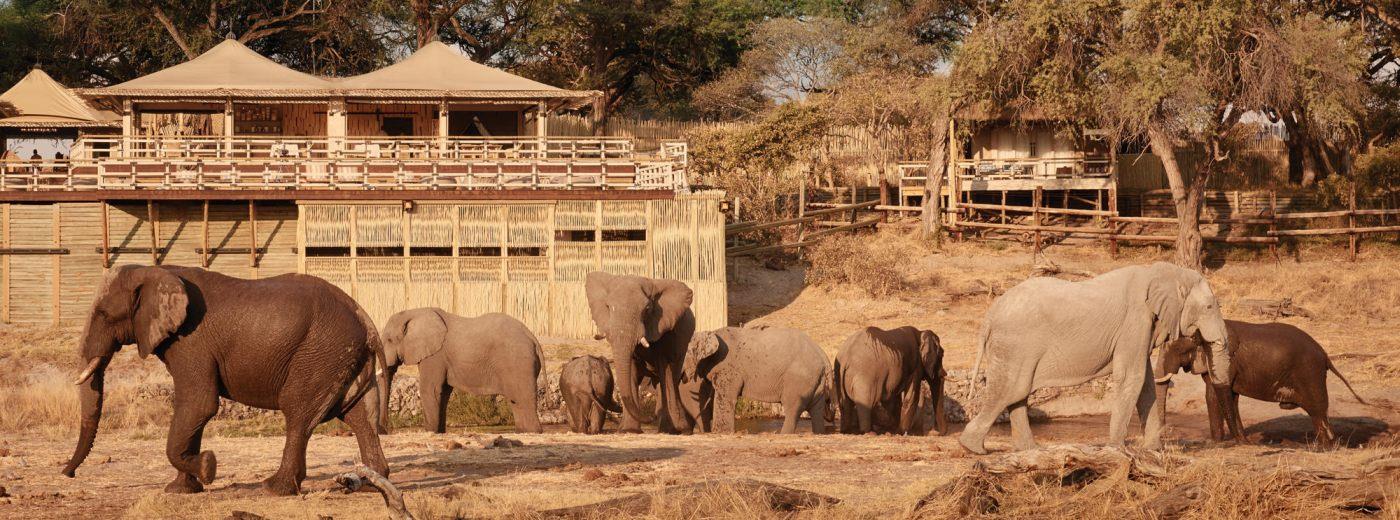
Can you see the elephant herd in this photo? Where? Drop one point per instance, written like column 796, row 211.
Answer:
column 298, row 344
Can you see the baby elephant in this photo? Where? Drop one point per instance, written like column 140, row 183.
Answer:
column 766, row 364
column 492, row 354
column 881, row 373
column 1273, row 362
column 586, row 384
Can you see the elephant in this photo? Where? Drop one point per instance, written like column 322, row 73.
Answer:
column 292, row 342
column 1047, row 332
column 880, row 373
column 648, row 324
column 1273, row 362
column 765, row 364
column 586, row 384
column 491, row 354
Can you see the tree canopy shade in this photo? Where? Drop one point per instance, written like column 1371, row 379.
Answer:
column 1179, row 75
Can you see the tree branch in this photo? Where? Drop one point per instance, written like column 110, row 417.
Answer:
column 265, row 27
column 174, row 33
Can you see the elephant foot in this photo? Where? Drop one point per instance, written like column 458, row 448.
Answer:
column 1029, row 445
column 184, row 484
column 629, row 430
column 975, row 448
column 281, row 487
column 208, row 467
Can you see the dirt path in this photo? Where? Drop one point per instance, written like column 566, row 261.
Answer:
column 125, row 474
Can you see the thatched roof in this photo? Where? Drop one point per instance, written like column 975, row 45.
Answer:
column 38, row 101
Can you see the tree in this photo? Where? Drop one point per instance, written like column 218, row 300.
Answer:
column 1179, row 75
column 487, row 30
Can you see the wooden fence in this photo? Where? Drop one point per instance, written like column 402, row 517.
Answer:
column 1039, row 223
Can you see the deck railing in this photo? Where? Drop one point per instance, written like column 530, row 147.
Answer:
column 351, row 163
column 913, row 174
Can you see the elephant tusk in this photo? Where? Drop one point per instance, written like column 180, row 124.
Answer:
column 644, row 342
column 1163, row 380
column 379, row 373
column 87, row 372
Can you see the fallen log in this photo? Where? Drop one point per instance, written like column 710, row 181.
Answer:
column 363, row 476
column 1275, row 309
column 778, row 498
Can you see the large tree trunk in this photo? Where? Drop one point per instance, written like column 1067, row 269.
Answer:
column 1186, row 197
column 933, row 183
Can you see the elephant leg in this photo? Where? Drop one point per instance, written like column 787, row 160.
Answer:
column 1214, row 411
column 1021, row 437
column 193, row 409
column 434, row 395
column 817, row 411
column 793, row 404
column 848, row 423
column 940, row 416
column 1129, row 378
column 1152, row 411
column 726, row 397
column 287, row 480
column 1232, row 414
column 596, row 416
column 910, row 404
column 1005, row 388
column 360, row 420
column 526, row 410
column 575, row 410
column 669, row 402
column 1317, row 410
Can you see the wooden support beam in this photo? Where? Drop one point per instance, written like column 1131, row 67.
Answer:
column 155, row 233
column 106, row 245
column 204, row 238
column 253, row 236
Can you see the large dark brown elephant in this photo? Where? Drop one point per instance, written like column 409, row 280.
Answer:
column 880, row 373
column 648, row 324
column 1273, row 362
column 491, row 354
column 293, row 343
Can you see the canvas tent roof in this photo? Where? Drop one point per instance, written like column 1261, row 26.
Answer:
column 228, row 69
column 438, row 71
column 38, row 101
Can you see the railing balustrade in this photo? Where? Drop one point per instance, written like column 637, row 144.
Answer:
column 350, row 163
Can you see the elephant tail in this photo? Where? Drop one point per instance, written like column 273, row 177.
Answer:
column 837, row 391
column 1334, row 370
column 829, row 389
column 982, row 340
column 541, row 379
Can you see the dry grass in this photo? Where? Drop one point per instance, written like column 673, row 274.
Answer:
column 874, row 263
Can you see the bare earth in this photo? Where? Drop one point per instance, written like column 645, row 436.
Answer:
column 1354, row 315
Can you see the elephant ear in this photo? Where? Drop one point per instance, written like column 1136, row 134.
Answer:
column 702, row 346
column 931, row 353
column 673, row 299
column 1166, row 299
column 161, row 306
column 422, row 334
column 597, row 285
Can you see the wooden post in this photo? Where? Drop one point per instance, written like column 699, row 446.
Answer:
column 885, row 198
column 155, row 234
column 801, row 212
column 1273, row 222
column 204, row 237
column 954, row 176
column 1113, row 195
column 56, row 289
column 106, row 247
column 853, row 201
column 1036, row 201
column 1003, row 207
column 1353, row 238
column 252, row 236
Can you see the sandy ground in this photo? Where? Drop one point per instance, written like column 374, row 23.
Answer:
column 875, row 475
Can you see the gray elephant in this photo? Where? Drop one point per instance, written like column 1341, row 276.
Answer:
column 880, row 374
column 648, row 323
column 765, row 364
column 492, row 354
column 1048, row 332
column 586, row 384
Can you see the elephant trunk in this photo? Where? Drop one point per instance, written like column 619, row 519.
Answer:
column 385, row 380
column 627, row 377
column 91, row 405
column 1218, row 363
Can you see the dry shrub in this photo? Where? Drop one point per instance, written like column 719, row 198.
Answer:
column 874, row 263
column 715, row 502
column 45, row 400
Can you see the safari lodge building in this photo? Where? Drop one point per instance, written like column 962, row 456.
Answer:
column 431, row 182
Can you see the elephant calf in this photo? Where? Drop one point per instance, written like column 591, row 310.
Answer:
column 1273, row 362
column 766, row 364
column 883, row 371
column 586, row 384
column 492, row 354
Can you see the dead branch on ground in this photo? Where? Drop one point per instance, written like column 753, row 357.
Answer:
column 363, row 476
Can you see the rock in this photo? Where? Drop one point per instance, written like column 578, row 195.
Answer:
column 3, row 492
column 592, row 474
column 501, row 442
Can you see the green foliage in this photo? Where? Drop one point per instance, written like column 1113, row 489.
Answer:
column 754, row 161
